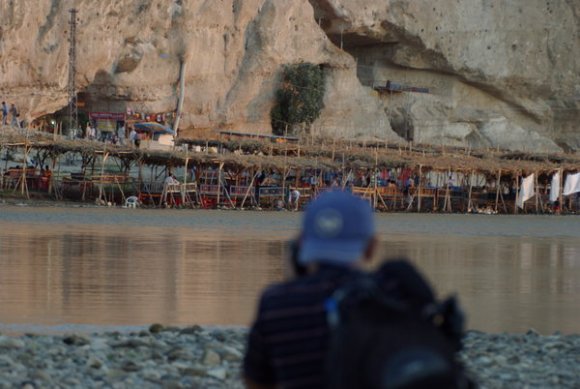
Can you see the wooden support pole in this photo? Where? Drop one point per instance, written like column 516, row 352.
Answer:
column 221, row 165
column 51, row 178
column 375, row 189
column 517, row 192
column 84, row 185
column 285, row 174
column 561, row 195
column 447, row 198
column 470, row 191
column 505, row 210
column 382, row 200
column 249, row 189
column 342, row 176
column 23, row 183
column 345, row 179
column 101, row 189
column 120, row 189
column 202, row 174
column 227, row 195
column 537, row 192
column 185, row 169
column 542, row 202
column 419, row 189
column 197, row 182
column 6, row 159
column 497, row 189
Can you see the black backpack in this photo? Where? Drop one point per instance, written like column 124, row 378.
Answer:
column 382, row 339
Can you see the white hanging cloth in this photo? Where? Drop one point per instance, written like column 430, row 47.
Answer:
column 572, row 184
column 555, row 187
column 526, row 190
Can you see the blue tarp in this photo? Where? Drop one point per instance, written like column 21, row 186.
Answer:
column 153, row 127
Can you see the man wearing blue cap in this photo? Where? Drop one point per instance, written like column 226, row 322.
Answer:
column 393, row 328
column 288, row 341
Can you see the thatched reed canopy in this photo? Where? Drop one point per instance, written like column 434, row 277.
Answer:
column 384, row 155
column 324, row 154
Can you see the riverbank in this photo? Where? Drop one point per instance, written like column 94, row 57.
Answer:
column 45, row 201
column 211, row 358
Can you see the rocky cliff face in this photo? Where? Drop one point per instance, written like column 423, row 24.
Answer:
column 501, row 74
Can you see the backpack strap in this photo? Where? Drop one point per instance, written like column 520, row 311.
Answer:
column 359, row 288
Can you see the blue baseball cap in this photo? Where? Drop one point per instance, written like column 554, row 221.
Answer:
column 336, row 228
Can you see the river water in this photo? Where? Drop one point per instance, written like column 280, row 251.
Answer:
column 85, row 269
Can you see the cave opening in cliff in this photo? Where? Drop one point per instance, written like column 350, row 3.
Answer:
column 110, row 119
column 405, row 130
column 58, row 122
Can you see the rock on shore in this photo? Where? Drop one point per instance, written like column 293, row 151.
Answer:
column 211, row 358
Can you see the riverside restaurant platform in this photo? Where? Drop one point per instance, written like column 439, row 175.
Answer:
column 258, row 173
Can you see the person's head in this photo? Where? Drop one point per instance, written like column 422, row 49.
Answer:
column 338, row 228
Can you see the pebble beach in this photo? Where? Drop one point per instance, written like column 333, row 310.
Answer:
column 203, row 357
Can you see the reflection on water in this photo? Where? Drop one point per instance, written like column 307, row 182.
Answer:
column 506, row 284
column 126, row 267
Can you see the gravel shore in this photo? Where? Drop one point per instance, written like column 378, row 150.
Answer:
column 201, row 357
column 523, row 360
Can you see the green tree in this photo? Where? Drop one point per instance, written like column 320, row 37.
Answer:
column 299, row 99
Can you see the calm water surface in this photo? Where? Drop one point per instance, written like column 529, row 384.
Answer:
column 86, row 269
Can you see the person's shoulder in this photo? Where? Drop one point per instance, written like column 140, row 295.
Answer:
column 281, row 292
column 311, row 286
column 278, row 289
column 271, row 296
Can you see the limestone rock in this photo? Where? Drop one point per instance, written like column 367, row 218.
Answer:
column 156, row 328
column 231, row 353
column 75, row 340
column 130, row 366
column 10, row 343
column 211, row 358
column 501, row 74
column 220, row 373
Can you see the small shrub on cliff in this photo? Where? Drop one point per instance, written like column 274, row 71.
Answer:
column 299, row 99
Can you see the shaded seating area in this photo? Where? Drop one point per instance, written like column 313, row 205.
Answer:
column 270, row 194
column 150, row 193
column 76, row 186
column 33, row 180
column 180, row 194
column 441, row 180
